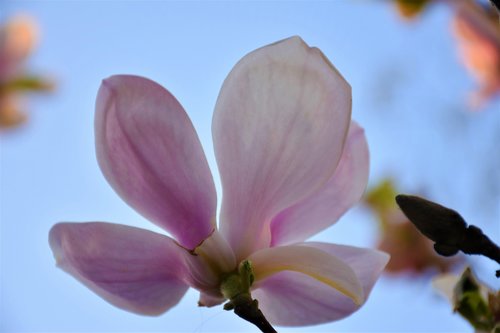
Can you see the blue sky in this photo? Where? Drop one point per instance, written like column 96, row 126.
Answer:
column 409, row 93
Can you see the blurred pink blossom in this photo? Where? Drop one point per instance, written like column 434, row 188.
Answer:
column 18, row 37
column 291, row 163
column 478, row 40
column 410, row 251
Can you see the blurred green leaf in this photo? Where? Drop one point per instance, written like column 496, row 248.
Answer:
column 27, row 83
column 411, row 8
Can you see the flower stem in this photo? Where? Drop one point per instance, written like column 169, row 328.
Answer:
column 236, row 288
column 247, row 308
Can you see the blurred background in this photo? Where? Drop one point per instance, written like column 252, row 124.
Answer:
column 425, row 85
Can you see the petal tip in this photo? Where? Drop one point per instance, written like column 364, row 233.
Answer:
column 385, row 257
column 55, row 238
column 294, row 40
column 54, row 234
column 107, row 83
column 113, row 82
column 317, row 52
column 356, row 129
column 104, row 94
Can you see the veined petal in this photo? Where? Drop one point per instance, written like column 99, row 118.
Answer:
column 315, row 263
column 149, row 152
column 133, row 269
column 279, row 127
column 328, row 204
column 294, row 299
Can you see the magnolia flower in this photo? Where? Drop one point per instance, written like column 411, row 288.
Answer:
column 291, row 163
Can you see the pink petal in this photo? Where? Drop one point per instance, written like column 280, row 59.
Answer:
column 148, row 151
column 323, row 267
column 279, row 126
column 209, row 300
column 294, row 299
column 133, row 269
column 325, row 207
